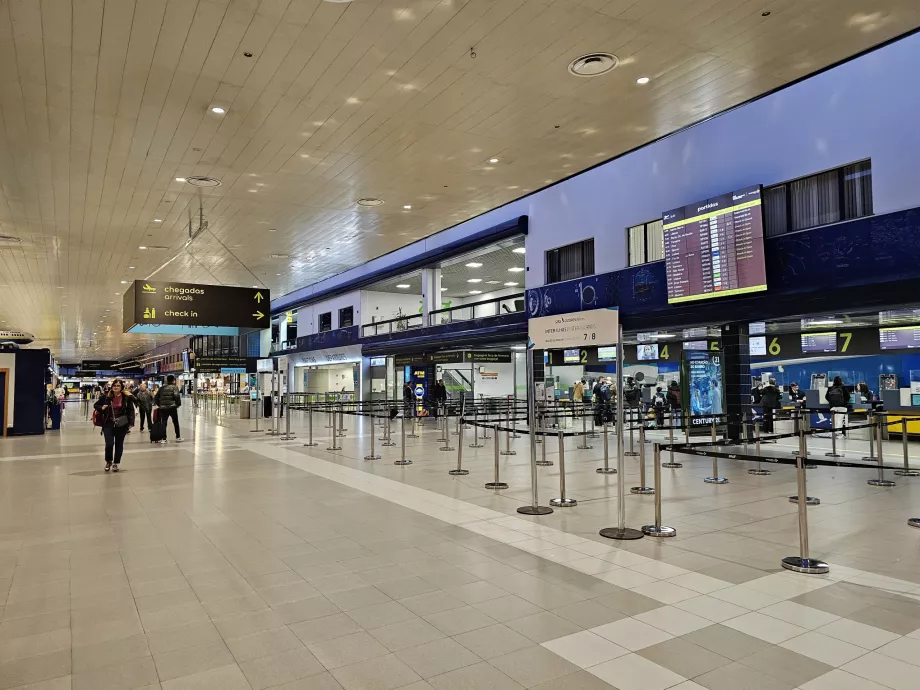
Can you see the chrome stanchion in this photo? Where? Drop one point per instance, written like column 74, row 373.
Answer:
column 412, row 433
column 606, row 469
column 485, row 429
column 872, row 424
column 671, row 464
column 497, row 483
column 475, row 443
column 372, row 455
column 562, row 501
column 658, row 530
column 543, row 462
column 402, row 433
column 508, row 450
column 803, row 453
column 759, row 471
column 833, row 453
column 630, row 452
column 906, row 472
column 388, row 432
column 534, row 508
column 621, row 531
column 593, row 432
column 642, row 488
column 331, row 409
column 584, row 433
column 803, row 563
column 715, row 478
column 446, row 439
column 880, row 481
column 287, row 436
column 341, row 431
column 459, row 470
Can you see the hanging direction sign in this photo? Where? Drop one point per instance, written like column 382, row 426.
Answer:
column 165, row 307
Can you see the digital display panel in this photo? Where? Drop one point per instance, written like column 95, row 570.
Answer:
column 571, row 356
column 900, row 338
column 757, row 327
column 696, row 345
column 645, row 353
column 646, row 337
column 378, row 361
column 607, row 354
column 819, row 342
column 914, row 399
column 714, row 248
column 758, row 345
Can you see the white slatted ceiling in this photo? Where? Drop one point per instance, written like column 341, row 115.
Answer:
column 104, row 102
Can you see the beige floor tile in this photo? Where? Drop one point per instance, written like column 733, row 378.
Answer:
column 305, row 609
column 326, row 628
column 435, row 658
column 432, row 602
column 380, row 615
column 383, row 673
column 127, row 675
column 89, row 657
column 23, row 627
column 411, row 633
column 506, row 608
column 349, row 649
column 684, row 658
column 532, row 666
column 786, row 665
column 492, row 641
column 634, row 672
column 351, row 599
column 59, row 683
column 270, row 671
column 263, row 643
column 543, row 626
column 727, row 642
column 241, row 624
column 824, row 648
column 34, row 645
column 478, row 676
column 735, row 675
column 223, row 678
column 190, row 635
column 457, row 621
column 321, row 681
column 35, row 668
column 173, row 616
column 187, row 661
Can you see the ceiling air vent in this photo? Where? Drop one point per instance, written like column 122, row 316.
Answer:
column 368, row 201
column 202, row 181
column 593, row 64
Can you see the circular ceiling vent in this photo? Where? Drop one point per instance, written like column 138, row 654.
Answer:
column 593, row 64
column 369, row 201
column 203, row 181
column 9, row 239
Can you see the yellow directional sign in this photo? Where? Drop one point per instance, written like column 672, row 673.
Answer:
column 258, row 315
column 149, row 288
column 150, row 312
column 258, row 297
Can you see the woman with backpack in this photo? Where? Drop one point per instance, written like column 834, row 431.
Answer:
column 115, row 414
column 838, row 399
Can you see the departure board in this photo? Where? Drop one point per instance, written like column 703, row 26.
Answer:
column 819, row 342
column 714, row 248
column 899, row 338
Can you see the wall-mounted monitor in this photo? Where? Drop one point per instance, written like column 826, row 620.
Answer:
column 378, row 361
column 819, row 342
column 648, row 352
column 696, row 345
column 571, row 356
column 757, row 327
column 714, row 248
column 899, row 338
column 758, row 345
column 607, row 354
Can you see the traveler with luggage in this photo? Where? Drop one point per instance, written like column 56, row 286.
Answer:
column 769, row 401
column 168, row 401
column 144, row 405
column 659, row 404
column 838, row 399
column 114, row 412
column 408, row 399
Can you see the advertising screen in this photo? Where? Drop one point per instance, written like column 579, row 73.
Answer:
column 900, row 338
column 571, row 356
column 714, row 248
column 819, row 342
column 647, row 352
column 607, row 354
column 705, row 384
column 758, row 345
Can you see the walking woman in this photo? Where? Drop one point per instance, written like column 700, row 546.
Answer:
column 116, row 410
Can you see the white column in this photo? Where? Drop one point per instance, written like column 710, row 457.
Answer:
column 431, row 292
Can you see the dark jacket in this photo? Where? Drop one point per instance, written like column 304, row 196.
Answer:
column 144, row 399
column 674, row 397
column 756, row 395
column 632, row 395
column 168, row 397
column 108, row 416
column 769, row 398
column 408, row 395
column 837, row 396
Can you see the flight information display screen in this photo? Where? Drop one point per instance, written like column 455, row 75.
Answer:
column 819, row 342
column 714, row 248
column 900, row 338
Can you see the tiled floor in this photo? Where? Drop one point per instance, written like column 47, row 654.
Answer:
column 237, row 560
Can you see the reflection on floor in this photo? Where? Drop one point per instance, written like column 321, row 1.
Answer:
column 237, row 560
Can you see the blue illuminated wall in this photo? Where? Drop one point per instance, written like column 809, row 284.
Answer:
column 851, row 369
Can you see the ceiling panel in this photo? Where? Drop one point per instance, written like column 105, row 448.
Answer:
column 103, row 103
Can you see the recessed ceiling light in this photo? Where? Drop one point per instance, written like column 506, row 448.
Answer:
column 180, row 179
column 493, row 282
column 157, row 220
column 142, row 247
column 124, row 282
column 255, row 286
column 408, row 207
column 518, row 347
column 510, row 284
column 130, row 266
column 369, row 201
column 474, row 280
column 493, row 160
column 403, row 286
column 443, row 289
column 643, row 80
column 516, row 269
column 217, row 110
column 519, row 250
column 593, row 64
column 473, row 264
column 475, row 292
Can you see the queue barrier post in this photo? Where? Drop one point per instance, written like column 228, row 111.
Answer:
column 446, row 439
column 803, row 454
column 310, row 442
column 475, row 443
column 459, row 471
column 658, row 530
column 584, row 432
column 287, row 436
column 606, row 469
column 534, row 509
column 508, row 450
column 715, row 478
column 907, row 471
column 543, row 462
column 593, row 432
column 402, row 446
column 671, row 464
column 833, row 453
column 631, row 452
column 388, row 432
column 803, row 563
column 562, row 501
column 496, row 483
column 758, row 470
column 372, row 455
column 880, row 480
column 872, row 424
column 642, row 489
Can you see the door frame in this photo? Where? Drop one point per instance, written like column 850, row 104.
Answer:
column 6, row 398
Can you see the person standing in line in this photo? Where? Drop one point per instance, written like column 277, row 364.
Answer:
column 168, row 401
column 578, row 397
column 144, row 405
column 116, row 410
column 769, row 401
column 839, row 401
column 408, row 399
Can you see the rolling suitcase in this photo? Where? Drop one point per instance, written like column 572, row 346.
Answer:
column 157, row 428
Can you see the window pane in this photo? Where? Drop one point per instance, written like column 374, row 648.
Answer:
column 587, row 261
column 636, row 245
column 552, row 266
column 857, row 190
column 654, row 240
column 775, row 220
column 815, row 200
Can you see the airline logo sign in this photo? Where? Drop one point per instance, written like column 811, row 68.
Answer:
column 577, row 329
column 187, row 304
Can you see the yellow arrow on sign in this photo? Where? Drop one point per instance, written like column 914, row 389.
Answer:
column 258, row 315
column 259, row 297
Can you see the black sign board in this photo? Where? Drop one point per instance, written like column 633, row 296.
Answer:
column 98, row 365
column 163, row 304
column 409, row 360
column 488, row 357
column 445, row 357
column 216, row 364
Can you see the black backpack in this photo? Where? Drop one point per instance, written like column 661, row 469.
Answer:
column 836, row 397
